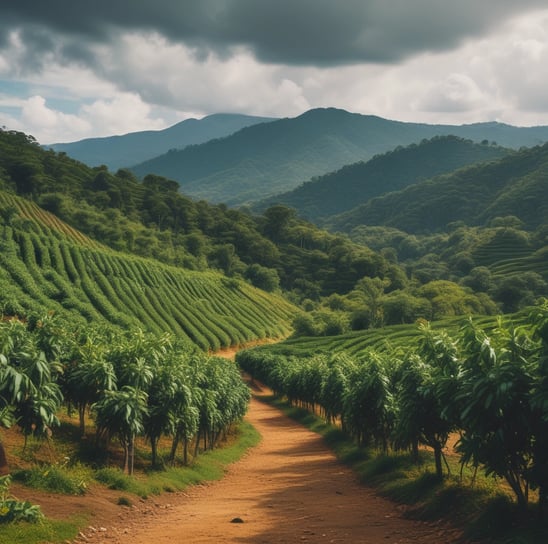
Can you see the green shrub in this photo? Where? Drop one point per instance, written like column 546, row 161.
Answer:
column 61, row 479
column 12, row 510
column 114, row 478
column 124, row 501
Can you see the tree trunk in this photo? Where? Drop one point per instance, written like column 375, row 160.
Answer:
column 514, row 481
column 154, row 450
column 197, row 447
column 4, row 469
column 131, row 455
column 126, row 456
column 174, row 445
column 415, row 450
column 82, row 418
column 438, row 461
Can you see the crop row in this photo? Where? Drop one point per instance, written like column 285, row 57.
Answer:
column 132, row 384
column 535, row 262
column 357, row 343
column 57, row 274
column 489, row 384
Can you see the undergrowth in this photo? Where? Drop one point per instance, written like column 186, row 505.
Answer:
column 58, row 478
column 14, row 510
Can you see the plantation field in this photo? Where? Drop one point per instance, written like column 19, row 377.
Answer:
column 507, row 253
column 386, row 339
column 529, row 262
column 45, row 265
column 402, row 387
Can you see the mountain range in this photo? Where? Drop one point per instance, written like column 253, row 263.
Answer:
column 237, row 159
column 269, row 158
column 515, row 185
column 123, row 151
column 355, row 184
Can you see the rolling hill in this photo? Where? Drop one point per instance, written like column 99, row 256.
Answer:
column 123, row 151
column 344, row 189
column 270, row 158
column 278, row 249
column 514, row 185
column 46, row 265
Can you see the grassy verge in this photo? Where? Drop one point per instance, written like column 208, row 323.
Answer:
column 209, row 466
column 477, row 505
column 47, row 531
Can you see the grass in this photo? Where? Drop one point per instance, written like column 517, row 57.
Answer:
column 209, row 466
column 47, row 531
column 483, row 511
column 67, row 480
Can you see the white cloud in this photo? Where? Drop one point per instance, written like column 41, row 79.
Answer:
column 174, row 76
column 125, row 112
column 499, row 77
column 454, row 94
column 48, row 122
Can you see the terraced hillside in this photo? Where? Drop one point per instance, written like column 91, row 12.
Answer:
column 511, row 252
column 536, row 261
column 47, row 265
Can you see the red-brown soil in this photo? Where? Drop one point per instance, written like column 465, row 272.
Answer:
column 288, row 489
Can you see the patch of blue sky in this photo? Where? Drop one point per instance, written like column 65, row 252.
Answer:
column 12, row 91
column 19, row 89
column 64, row 104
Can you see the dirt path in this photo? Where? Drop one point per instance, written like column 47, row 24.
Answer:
column 288, row 489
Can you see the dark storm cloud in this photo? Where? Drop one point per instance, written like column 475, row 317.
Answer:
column 299, row 32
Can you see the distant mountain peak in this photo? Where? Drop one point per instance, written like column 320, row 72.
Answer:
column 134, row 147
column 271, row 158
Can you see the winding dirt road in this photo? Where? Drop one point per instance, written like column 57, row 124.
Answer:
column 288, row 489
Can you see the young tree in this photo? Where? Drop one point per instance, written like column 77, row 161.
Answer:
column 498, row 376
column 539, row 404
column 438, row 376
column 122, row 413
column 368, row 407
column 29, row 394
column 88, row 375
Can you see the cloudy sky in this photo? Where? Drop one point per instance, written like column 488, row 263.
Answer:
column 71, row 69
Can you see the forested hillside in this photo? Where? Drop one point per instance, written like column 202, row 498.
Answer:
column 515, row 185
column 386, row 276
column 129, row 149
column 271, row 158
column 151, row 219
column 47, row 266
column 357, row 183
